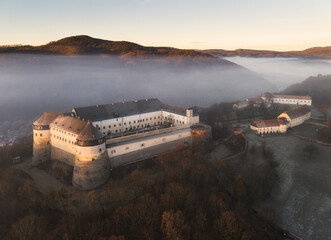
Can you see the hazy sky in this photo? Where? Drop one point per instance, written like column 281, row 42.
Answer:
column 227, row 24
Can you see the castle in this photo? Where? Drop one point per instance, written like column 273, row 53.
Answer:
column 95, row 139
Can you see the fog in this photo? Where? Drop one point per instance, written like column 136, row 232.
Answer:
column 32, row 84
column 283, row 72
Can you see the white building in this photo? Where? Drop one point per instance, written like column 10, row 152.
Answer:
column 269, row 126
column 97, row 138
column 287, row 99
column 291, row 118
column 296, row 116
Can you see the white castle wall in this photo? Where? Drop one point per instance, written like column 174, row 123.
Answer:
column 123, row 124
column 143, row 148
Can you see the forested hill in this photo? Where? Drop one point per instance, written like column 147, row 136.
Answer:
column 315, row 52
column 85, row 45
column 318, row 87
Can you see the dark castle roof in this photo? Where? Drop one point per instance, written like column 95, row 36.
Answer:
column 123, row 109
column 89, row 133
column 46, row 118
column 298, row 112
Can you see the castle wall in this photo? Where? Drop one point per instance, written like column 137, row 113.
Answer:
column 41, row 147
column 146, row 153
column 143, row 148
column 91, row 168
column 59, row 154
column 122, row 124
column 63, row 140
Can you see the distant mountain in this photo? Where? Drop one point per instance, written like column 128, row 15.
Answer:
column 315, row 52
column 85, row 45
column 318, row 87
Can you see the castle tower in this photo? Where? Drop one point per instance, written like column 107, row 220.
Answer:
column 92, row 165
column 42, row 138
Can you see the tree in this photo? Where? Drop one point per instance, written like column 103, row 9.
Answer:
column 28, row 228
column 173, row 226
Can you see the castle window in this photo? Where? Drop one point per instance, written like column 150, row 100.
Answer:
column 36, row 134
column 120, row 124
column 126, row 129
column 154, row 118
column 125, row 123
column 113, row 151
column 41, row 135
column 129, row 122
column 104, row 127
column 109, row 126
column 116, row 131
column 114, row 125
column 100, row 149
column 142, row 145
column 150, row 119
column 134, row 121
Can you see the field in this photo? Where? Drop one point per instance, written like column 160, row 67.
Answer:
column 302, row 204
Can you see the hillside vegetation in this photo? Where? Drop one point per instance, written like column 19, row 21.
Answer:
column 318, row 87
column 184, row 194
column 127, row 51
column 315, row 52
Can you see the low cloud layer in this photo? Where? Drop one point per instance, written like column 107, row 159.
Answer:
column 282, row 72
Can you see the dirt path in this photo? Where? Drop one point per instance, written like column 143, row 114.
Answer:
column 43, row 181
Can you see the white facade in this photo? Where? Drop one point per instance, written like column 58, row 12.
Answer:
column 143, row 143
column 140, row 121
column 63, row 140
column 270, row 129
column 294, row 101
column 295, row 121
column 287, row 99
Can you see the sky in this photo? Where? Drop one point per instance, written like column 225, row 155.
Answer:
column 191, row 24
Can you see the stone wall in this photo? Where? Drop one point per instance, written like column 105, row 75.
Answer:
column 89, row 175
column 63, row 156
column 41, row 154
column 146, row 153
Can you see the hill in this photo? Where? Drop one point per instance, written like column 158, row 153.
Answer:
column 318, row 87
column 315, row 52
column 86, row 45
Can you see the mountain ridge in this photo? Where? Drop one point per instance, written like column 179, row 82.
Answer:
column 314, row 52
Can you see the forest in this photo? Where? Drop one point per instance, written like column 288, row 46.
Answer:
column 182, row 194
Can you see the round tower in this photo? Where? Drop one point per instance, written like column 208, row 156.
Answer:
column 92, row 166
column 42, row 138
